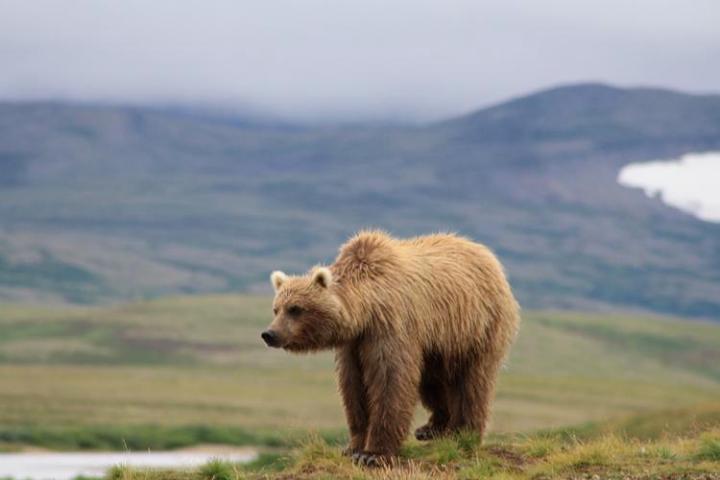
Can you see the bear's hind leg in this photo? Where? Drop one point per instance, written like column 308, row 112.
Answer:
column 433, row 393
column 471, row 393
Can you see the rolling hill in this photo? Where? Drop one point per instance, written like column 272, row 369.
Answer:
column 183, row 370
column 619, row 396
column 100, row 203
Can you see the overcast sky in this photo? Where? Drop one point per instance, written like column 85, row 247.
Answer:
column 363, row 59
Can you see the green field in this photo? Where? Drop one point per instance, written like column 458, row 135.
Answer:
column 614, row 454
column 178, row 371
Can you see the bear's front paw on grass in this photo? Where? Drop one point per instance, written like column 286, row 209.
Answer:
column 370, row 459
column 350, row 451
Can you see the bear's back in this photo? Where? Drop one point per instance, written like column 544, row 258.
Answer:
column 375, row 256
column 443, row 287
column 369, row 255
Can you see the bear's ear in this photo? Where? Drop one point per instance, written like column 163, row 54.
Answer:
column 322, row 276
column 277, row 278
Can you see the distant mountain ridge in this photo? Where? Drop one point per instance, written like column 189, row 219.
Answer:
column 105, row 203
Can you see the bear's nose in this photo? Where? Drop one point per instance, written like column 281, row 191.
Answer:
column 270, row 338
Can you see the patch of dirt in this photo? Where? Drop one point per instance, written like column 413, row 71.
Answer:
column 510, row 458
column 649, row 476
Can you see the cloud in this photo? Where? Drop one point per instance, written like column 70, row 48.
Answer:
column 357, row 59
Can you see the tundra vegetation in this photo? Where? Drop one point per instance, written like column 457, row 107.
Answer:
column 581, row 395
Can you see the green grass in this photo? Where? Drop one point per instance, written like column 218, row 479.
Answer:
column 535, row 456
column 607, row 395
column 709, row 448
column 185, row 370
column 144, row 437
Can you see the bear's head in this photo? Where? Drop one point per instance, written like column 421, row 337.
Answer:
column 308, row 315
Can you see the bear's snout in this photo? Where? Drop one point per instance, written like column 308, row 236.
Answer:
column 271, row 338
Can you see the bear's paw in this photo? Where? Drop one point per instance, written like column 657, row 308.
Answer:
column 371, row 460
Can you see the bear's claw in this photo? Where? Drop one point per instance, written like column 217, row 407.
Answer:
column 367, row 459
column 350, row 451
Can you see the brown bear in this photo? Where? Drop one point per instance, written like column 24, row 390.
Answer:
column 429, row 317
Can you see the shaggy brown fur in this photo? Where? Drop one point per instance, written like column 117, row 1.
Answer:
column 427, row 318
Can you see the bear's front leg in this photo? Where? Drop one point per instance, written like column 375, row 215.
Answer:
column 391, row 372
column 352, row 389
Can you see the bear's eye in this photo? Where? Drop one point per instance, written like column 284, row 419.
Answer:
column 275, row 310
column 294, row 310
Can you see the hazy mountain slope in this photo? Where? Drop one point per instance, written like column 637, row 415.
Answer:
column 99, row 203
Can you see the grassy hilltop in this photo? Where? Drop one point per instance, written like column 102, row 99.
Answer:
column 187, row 370
column 540, row 456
